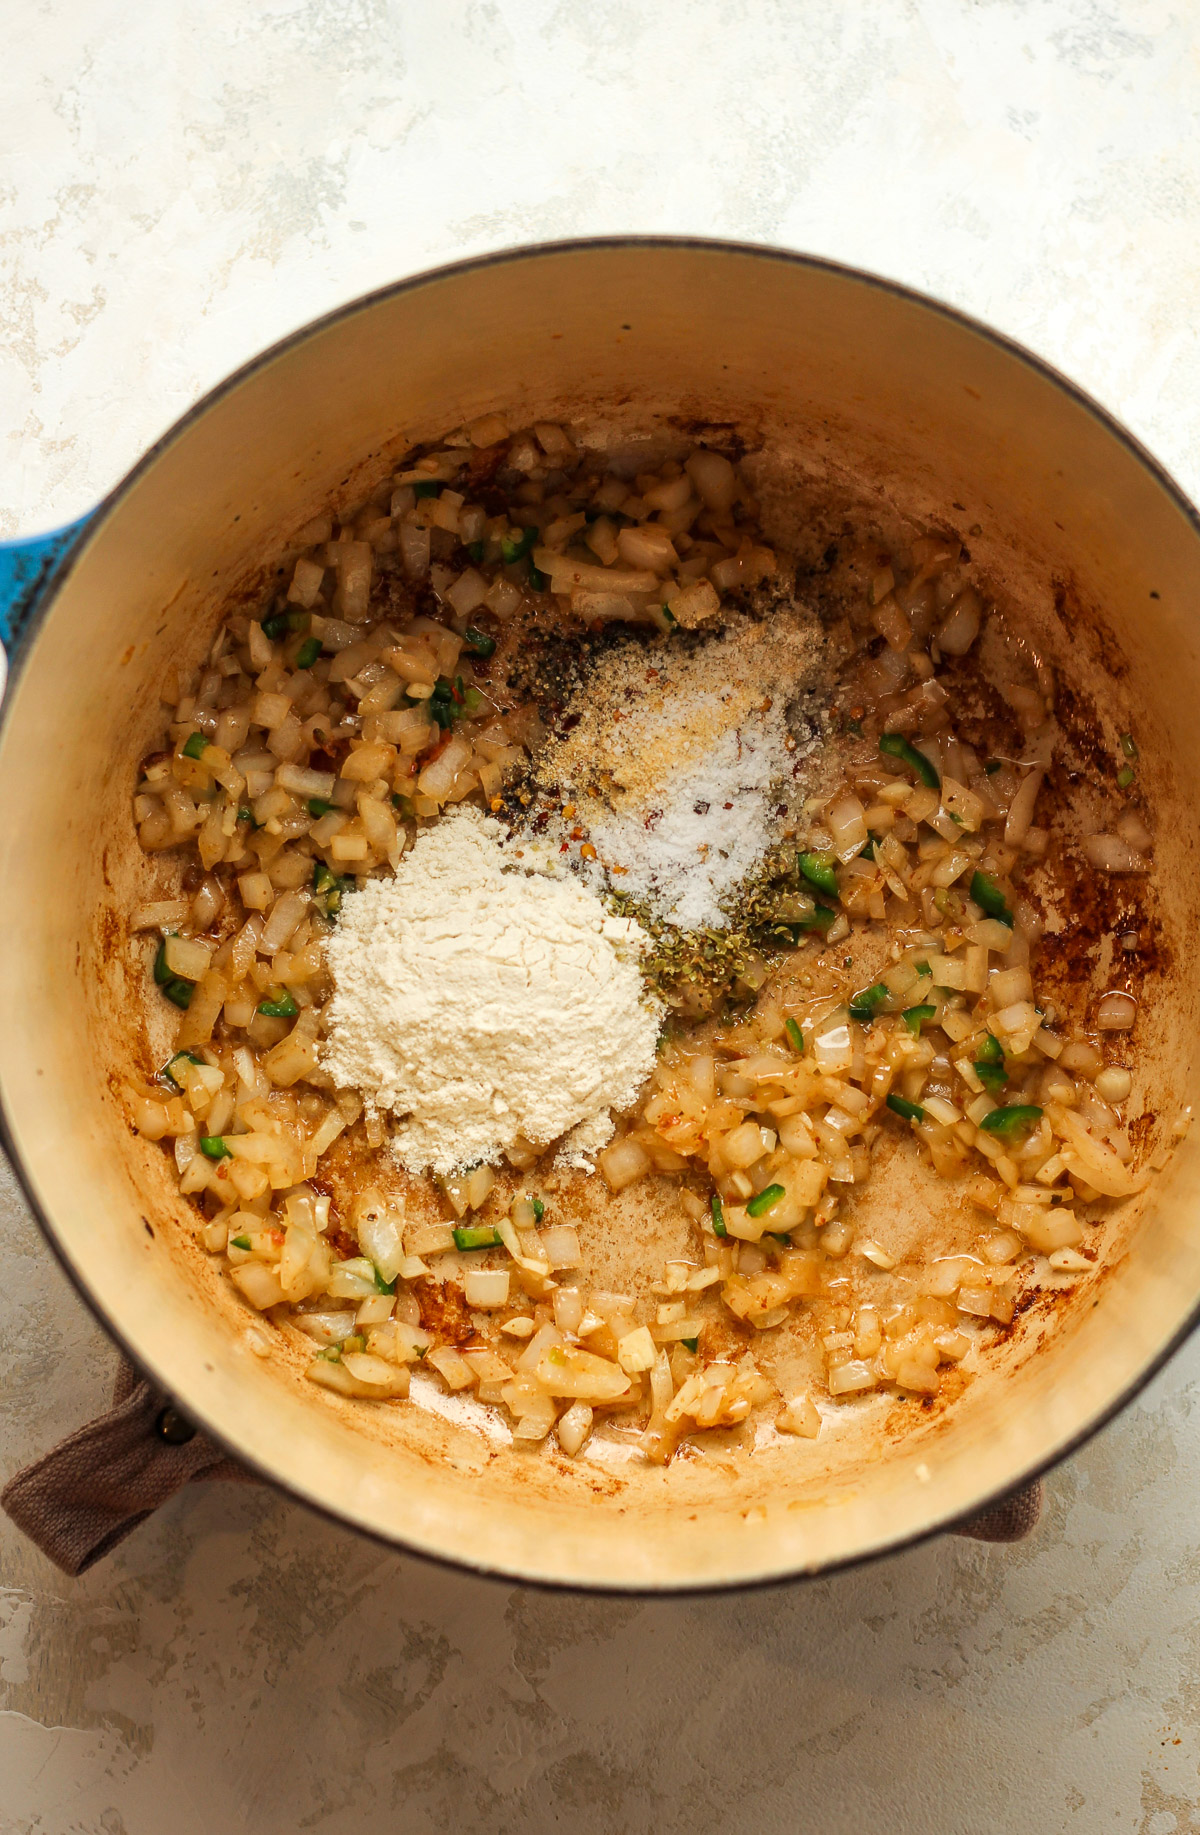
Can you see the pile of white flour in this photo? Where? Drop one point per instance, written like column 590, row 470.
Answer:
column 479, row 1005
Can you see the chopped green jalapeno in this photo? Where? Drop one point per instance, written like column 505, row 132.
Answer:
column 317, row 806
column 539, row 1209
column 914, row 1016
column 515, row 548
column 923, row 968
column 718, row 1215
column 405, row 805
column 476, row 552
column 865, row 1004
column 246, row 814
column 278, row 1006
column 179, row 992
column 1012, row 1122
column 870, row 847
column 168, row 1069
column 992, row 766
column 1125, row 777
column 275, row 626
column 895, row 745
column 906, row 1110
column 990, row 898
column 479, row 641
column 428, row 487
column 818, row 870
column 382, row 1286
column 990, row 1050
column 195, row 746
column 1129, row 745
column 162, row 973
column 213, row 1147
column 477, row 1236
column 819, row 918
column 331, row 1354
column 327, row 890
column 795, row 1036
column 308, row 652
column 765, row 1200
column 472, row 702
column 691, row 1344
column 240, row 1242
column 538, row 582
column 992, row 1076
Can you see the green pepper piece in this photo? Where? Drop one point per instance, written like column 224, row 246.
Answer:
column 317, row 806
column 795, row 1036
column 515, row 550
column 328, row 889
column 1011, row 1122
column 765, row 1200
column 243, row 1242
column 213, row 1147
column 404, row 804
column 906, row 1110
column 990, row 898
column 427, row 488
column 538, row 582
column 476, row 550
column 308, row 652
column 479, row 641
column 818, row 870
column 179, row 992
column 1129, row 745
column 278, row 1006
column 923, row 968
column 195, row 746
column 992, row 1076
column 472, row 702
column 693, row 1344
column 819, row 918
column 1125, row 777
column 869, row 848
column 895, row 745
column 246, row 814
column 169, row 1074
column 865, row 1004
column 477, row 1236
column 275, row 626
column 162, row 973
column 382, row 1286
column 913, row 1017
column 718, row 1215
column 990, row 1051
column 539, row 1209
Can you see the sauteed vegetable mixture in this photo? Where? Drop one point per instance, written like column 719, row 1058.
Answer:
column 861, row 983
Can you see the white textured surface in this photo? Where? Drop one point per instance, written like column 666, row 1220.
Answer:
column 182, row 184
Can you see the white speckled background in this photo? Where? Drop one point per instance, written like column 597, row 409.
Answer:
column 178, row 186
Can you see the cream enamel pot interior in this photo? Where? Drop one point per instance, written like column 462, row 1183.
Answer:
column 865, row 392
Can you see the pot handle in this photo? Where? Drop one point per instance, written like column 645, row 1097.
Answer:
column 26, row 569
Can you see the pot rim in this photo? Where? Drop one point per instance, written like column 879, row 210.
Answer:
column 23, row 648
